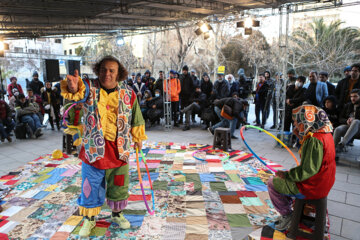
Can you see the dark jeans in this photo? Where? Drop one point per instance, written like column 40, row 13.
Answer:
column 6, row 127
column 184, row 103
column 288, row 120
column 175, row 111
column 32, row 120
column 191, row 110
column 260, row 107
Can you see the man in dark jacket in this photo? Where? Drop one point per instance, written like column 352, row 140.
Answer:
column 51, row 102
column 155, row 108
column 221, row 87
column 270, row 98
column 344, row 87
column 199, row 103
column 350, row 120
column 324, row 76
column 148, row 79
column 295, row 96
column 260, row 100
column 330, row 107
column 236, row 107
column 233, row 83
column 195, row 79
column 159, row 84
column 36, row 85
column 291, row 74
column 206, row 85
column 6, row 122
column 187, row 89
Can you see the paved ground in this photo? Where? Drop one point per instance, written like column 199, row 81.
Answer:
column 343, row 201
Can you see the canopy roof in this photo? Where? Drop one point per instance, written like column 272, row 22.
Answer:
column 36, row 18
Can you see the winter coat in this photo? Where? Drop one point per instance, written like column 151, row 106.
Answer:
column 54, row 97
column 296, row 97
column 10, row 88
column 261, row 92
column 5, row 111
column 159, row 85
column 36, row 86
column 139, row 88
column 342, row 92
column 321, row 91
column 201, row 99
column 175, row 89
column 187, row 86
column 196, row 81
column 235, row 104
column 234, row 87
column 331, row 88
column 26, row 108
column 221, row 89
column 206, row 87
column 348, row 109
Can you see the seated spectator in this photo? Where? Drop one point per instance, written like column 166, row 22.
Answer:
column 260, row 100
column 143, row 103
column 221, row 87
column 330, row 107
column 12, row 100
column 155, row 108
column 315, row 176
column 38, row 100
column 295, row 96
column 139, row 87
column 324, row 77
column 232, row 107
column 234, row 84
column 6, row 122
column 13, row 85
column 349, row 120
column 26, row 112
column 199, row 103
column 51, row 102
column 316, row 91
column 346, row 85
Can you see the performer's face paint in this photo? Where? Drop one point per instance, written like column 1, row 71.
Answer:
column 109, row 74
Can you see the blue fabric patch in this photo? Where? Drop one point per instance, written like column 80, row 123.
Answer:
column 254, row 181
column 207, row 177
column 245, row 180
column 41, row 195
column 135, row 220
column 53, row 179
column 153, row 175
column 259, row 188
column 57, row 171
column 2, row 202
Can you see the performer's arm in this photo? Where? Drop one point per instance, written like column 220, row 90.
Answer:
column 137, row 124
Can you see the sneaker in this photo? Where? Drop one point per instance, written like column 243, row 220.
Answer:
column 86, row 228
column 186, row 128
column 38, row 133
column 273, row 127
column 210, row 131
column 234, row 137
column 283, row 223
column 9, row 139
column 2, row 139
column 121, row 221
column 351, row 144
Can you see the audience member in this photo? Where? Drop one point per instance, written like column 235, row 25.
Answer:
column 195, row 79
column 187, row 90
column 144, row 103
column 316, row 91
column 221, row 87
column 139, row 87
column 51, row 102
column 36, row 85
column 330, row 107
column 346, row 85
column 324, row 77
column 199, row 103
column 233, row 83
column 155, row 108
column 6, row 122
column 347, row 71
column 13, row 85
column 131, row 80
column 270, row 97
column 295, row 96
column 147, row 79
column 206, row 85
column 160, row 82
column 260, row 99
column 173, row 96
column 349, row 120
column 291, row 74
column 38, row 100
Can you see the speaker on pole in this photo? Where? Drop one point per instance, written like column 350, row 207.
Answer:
column 72, row 65
column 52, row 72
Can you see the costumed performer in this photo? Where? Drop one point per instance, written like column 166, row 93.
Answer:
column 315, row 176
column 111, row 114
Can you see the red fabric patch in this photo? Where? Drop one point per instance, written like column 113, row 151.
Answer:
column 183, row 147
column 7, row 177
column 2, row 223
column 11, row 182
column 65, row 155
column 133, row 98
column 246, row 194
column 234, row 152
column 153, row 161
column 4, row 236
column 139, row 198
column 103, row 224
column 119, row 180
column 244, row 157
column 52, row 165
column 213, row 160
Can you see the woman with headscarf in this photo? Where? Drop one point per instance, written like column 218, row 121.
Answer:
column 315, row 176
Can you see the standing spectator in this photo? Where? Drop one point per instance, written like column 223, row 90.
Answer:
column 279, row 90
column 13, row 85
column 144, row 103
column 6, row 122
column 147, row 79
column 323, row 77
column 155, row 108
column 26, row 112
column 234, row 84
column 260, row 99
column 36, row 85
column 331, row 110
column 130, row 81
column 346, row 85
column 270, row 97
column 199, row 103
column 206, row 85
column 291, row 74
column 295, row 96
column 187, row 90
column 38, row 100
column 350, row 120
column 195, row 79
column 175, row 89
column 51, row 102
column 160, row 82
column 347, row 71
column 139, row 87
column 244, row 84
column 316, row 91
column 221, row 87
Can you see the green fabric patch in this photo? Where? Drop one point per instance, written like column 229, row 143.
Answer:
column 235, row 178
column 218, row 186
column 72, row 189
column 195, row 178
column 238, row 220
column 46, row 170
column 41, row 178
column 150, row 170
column 97, row 231
column 134, row 212
column 160, row 185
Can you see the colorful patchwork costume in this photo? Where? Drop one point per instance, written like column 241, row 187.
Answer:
column 110, row 116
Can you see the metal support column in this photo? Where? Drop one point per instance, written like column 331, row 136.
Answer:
column 167, row 105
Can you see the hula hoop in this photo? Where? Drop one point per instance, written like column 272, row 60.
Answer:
column 278, row 140
column 211, row 150
column 151, row 212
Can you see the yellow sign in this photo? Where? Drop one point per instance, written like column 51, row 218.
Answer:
column 221, row 70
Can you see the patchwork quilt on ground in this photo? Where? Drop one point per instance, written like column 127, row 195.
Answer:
column 194, row 199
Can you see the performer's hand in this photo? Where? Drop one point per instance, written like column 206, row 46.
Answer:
column 138, row 145
column 280, row 174
column 73, row 81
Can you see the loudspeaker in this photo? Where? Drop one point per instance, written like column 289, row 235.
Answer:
column 72, row 65
column 52, row 72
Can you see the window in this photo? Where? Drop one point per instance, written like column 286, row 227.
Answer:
column 32, row 51
column 58, row 40
column 18, row 49
column 64, row 52
column 70, row 51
